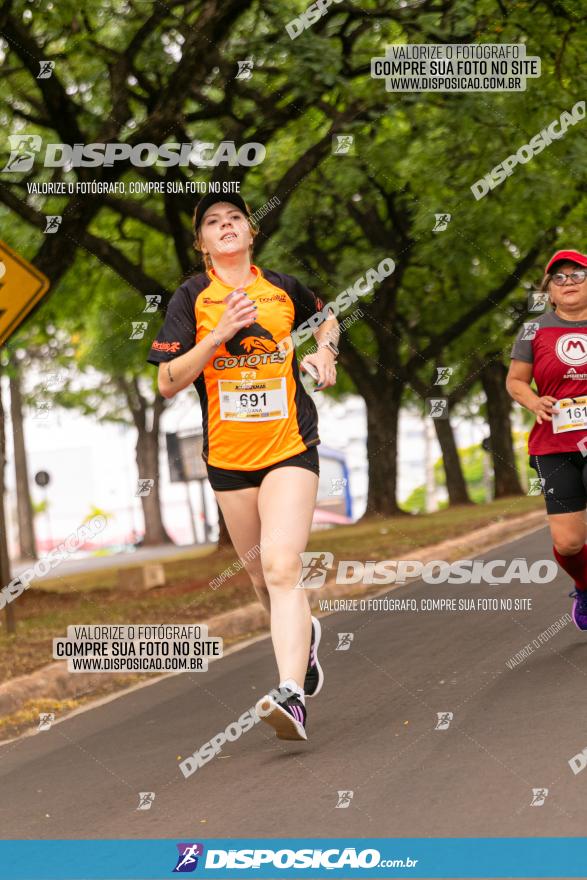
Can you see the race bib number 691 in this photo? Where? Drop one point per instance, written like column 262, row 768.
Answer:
column 258, row 401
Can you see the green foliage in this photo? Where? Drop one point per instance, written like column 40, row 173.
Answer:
column 415, row 155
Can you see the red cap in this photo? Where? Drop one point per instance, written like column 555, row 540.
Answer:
column 570, row 256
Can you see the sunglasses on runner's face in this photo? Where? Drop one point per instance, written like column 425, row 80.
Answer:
column 577, row 277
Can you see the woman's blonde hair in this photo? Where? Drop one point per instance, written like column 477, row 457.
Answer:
column 197, row 243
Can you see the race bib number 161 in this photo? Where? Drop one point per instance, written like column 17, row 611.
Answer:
column 569, row 414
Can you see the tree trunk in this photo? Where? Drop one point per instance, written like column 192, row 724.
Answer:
column 9, row 619
column 26, row 531
column 499, row 405
column 147, row 457
column 455, row 479
column 382, row 427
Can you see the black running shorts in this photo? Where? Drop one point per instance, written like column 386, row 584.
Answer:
column 223, row 480
column 564, row 480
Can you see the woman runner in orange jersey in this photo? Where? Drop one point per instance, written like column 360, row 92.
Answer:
column 228, row 331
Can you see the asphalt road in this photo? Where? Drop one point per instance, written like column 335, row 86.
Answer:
column 371, row 731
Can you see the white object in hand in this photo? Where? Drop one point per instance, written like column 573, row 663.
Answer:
column 312, row 371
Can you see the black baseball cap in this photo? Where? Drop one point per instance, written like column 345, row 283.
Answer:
column 212, row 198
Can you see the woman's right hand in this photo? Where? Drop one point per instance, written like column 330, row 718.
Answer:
column 240, row 312
column 542, row 408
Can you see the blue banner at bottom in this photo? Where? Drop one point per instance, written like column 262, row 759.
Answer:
column 295, row 857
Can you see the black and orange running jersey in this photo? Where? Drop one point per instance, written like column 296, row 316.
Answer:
column 255, row 410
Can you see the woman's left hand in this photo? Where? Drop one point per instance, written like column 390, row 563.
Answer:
column 324, row 361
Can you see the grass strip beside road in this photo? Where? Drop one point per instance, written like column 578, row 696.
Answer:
column 49, row 606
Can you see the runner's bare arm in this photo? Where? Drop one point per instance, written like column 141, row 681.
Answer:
column 177, row 374
column 518, row 386
column 324, row 359
column 327, row 332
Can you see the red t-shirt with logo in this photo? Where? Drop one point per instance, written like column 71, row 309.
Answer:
column 557, row 350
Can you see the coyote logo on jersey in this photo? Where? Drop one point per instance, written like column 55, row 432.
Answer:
column 251, row 340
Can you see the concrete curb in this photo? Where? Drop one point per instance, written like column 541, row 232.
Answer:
column 55, row 682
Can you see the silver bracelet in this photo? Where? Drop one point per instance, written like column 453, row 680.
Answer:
column 330, row 348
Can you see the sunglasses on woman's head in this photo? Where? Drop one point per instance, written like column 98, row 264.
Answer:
column 577, row 277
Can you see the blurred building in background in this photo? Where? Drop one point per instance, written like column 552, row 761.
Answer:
column 92, row 469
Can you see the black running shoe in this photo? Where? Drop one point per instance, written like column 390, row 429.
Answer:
column 314, row 675
column 288, row 718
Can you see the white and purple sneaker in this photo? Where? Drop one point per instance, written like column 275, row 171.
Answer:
column 579, row 612
column 287, row 718
column 314, row 675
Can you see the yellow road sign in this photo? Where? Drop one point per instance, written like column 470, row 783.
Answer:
column 21, row 288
